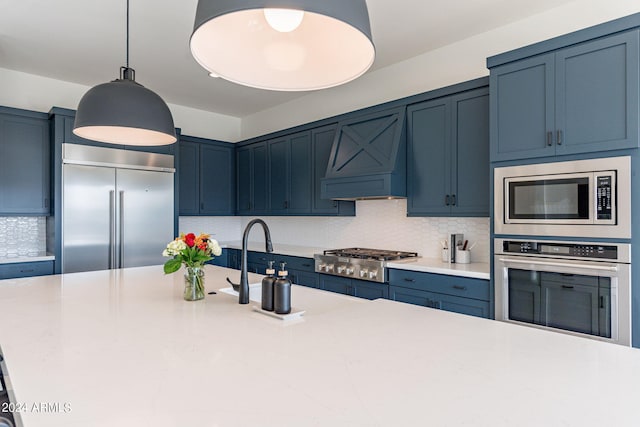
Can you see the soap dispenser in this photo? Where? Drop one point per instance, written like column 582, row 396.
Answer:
column 282, row 292
column 267, row 288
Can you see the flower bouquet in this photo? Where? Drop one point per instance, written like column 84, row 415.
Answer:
column 192, row 251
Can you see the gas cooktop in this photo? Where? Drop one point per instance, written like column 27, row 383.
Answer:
column 359, row 263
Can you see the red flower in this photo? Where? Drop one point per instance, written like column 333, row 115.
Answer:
column 203, row 246
column 190, row 239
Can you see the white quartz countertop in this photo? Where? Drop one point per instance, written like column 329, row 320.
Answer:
column 122, row 348
column 41, row 256
column 477, row 270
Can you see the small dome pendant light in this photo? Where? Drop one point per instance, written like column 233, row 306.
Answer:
column 124, row 112
column 286, row 45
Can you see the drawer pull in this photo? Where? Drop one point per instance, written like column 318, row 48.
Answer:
column 26, row 271
column 567, row 287
column 306, row 265
column 406, row 279
column 460, row 288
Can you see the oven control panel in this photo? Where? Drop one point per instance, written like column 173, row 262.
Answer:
column 561, row 249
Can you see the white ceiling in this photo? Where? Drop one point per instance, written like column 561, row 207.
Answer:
column 84, row 42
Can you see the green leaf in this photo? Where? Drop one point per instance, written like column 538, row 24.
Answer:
column 172, row 266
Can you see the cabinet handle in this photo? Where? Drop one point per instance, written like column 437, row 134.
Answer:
column 263, row 259
column 306, row 265
column 26, row 271
column 286, row 204
column 202, row 206
column 335, row 203
column 446, row 200
column 439, row 305
column 601, row 302
column 406, row 279
column 567, row 287
column 559, row 137
column 46, row 202
column 453, row 200
column 549, row 138
column 461, row 288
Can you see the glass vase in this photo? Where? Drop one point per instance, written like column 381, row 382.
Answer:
column 194, row 283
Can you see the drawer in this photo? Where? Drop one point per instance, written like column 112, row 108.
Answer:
column 445, row 284
column 26, row 269
column 261, row 258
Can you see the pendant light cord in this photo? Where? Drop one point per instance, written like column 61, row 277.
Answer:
column 127, row 33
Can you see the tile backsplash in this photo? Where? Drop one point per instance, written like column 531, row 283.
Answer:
column 22, row 235
column 380, row 224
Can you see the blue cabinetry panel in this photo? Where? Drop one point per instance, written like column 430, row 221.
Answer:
column 579, row 99
column 26, row 269
column 448, row 156
column 24, row 163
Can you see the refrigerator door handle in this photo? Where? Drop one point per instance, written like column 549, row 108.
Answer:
column 121, row 261
column 112, row 229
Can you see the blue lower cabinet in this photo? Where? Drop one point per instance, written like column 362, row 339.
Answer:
column 354, row 287
column 452, row 293
column 26, row 269
column 340, row 285
column 222, row 260
column 370, row 290
column 233, row 258
column 305, row 278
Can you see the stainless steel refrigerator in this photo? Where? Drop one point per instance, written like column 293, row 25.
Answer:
column 117, row 208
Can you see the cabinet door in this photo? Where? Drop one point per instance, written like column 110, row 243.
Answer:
column 470, row 155
column 570, row 307
column 428, row 158
column 341, row 285
column 300, row 168
column 522, row 109
column 188, row 178
column 259, row 179
column 217, row 180
column 370, row 290
column 222, row 260
column 304, row 278
column 24, row 165
column 597, row 95
column 279, row 176
column 412, row 296
column 461, row 305
column 243, row 177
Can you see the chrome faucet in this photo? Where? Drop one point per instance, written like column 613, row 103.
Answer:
column 244, row 281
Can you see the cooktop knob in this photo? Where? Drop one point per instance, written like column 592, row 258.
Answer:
column 349, row 270
column 328, row 268
column 341, row 269
column 363, row 272
column 373, row 274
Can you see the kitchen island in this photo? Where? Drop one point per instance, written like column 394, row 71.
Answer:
column 121, row 347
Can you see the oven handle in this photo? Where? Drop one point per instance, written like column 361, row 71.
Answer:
column 562, row 264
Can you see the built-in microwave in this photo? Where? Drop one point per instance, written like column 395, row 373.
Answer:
column 582, row 198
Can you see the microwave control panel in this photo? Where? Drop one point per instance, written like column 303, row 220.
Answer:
column 604, row 197
column 561, row 249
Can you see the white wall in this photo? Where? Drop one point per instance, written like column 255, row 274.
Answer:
column 458, row 62
column 31, row 92
column 378, row 224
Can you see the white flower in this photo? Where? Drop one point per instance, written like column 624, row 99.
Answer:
column 174, row 247
column 214, row 247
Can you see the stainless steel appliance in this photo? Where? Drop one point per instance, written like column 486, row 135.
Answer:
column 358, row 263
column 117, row 208
column 585, row 198
column 579, row 288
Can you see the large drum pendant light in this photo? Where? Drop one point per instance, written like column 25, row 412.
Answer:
column 124, row 112
column 287, row 45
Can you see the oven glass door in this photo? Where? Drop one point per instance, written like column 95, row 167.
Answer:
column 572, row 302
column 549, row 198
column 589, row 298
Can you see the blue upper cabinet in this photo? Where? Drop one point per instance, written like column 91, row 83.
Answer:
column 448, row 155
column 368, row 157
column 578, row 99
column 252, row 177
column 290, row 174
column 24, row 163
column 206, row 174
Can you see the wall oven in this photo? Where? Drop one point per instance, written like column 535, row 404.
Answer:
column 584, row 198
column 578, row 288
